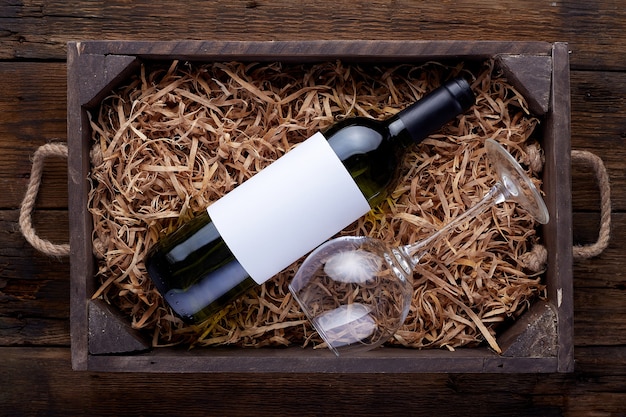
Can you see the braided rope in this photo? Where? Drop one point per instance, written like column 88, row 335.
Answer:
column 28, row 203
column 594, row 249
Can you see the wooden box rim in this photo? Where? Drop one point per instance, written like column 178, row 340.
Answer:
column 94, row 67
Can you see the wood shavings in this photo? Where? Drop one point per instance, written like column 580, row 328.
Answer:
column 177, row 138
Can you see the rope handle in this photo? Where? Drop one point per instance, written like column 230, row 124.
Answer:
column 60, row 250
column 28, row 203
column 593, row 160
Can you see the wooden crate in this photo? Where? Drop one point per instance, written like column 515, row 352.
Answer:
column 541, row 341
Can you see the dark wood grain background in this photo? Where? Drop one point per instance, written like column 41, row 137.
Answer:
column 35, row 372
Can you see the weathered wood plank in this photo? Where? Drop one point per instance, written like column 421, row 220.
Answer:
column 600, row 285
column 21, row 331
column 52, row 390
column 32, row 112
column 33, row 284
column 599, row 125
column 599, row 317
column 40, row 30
column 34, row 298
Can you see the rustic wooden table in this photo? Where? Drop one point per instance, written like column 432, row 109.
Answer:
column 35, row 372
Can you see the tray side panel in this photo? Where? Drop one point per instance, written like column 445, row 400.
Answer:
column 81, row 260
column 307, row 51
column 557, row 179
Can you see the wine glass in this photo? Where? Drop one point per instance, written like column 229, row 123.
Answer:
column 356, row 291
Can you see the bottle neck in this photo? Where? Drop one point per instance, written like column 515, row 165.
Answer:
column 434, row 110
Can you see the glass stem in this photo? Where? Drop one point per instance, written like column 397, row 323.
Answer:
column 414, row 252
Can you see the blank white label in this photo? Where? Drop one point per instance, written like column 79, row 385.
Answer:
column 288, row 208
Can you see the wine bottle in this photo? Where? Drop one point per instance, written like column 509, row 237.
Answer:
column 293, row 205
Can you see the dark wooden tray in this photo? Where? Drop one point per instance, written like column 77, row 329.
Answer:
column 541, row 341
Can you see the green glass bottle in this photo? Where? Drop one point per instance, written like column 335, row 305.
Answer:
column 299, row 201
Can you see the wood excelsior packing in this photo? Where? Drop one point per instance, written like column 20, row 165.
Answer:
column 177, row 138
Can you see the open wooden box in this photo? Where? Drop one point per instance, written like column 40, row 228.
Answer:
column 541, row 341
